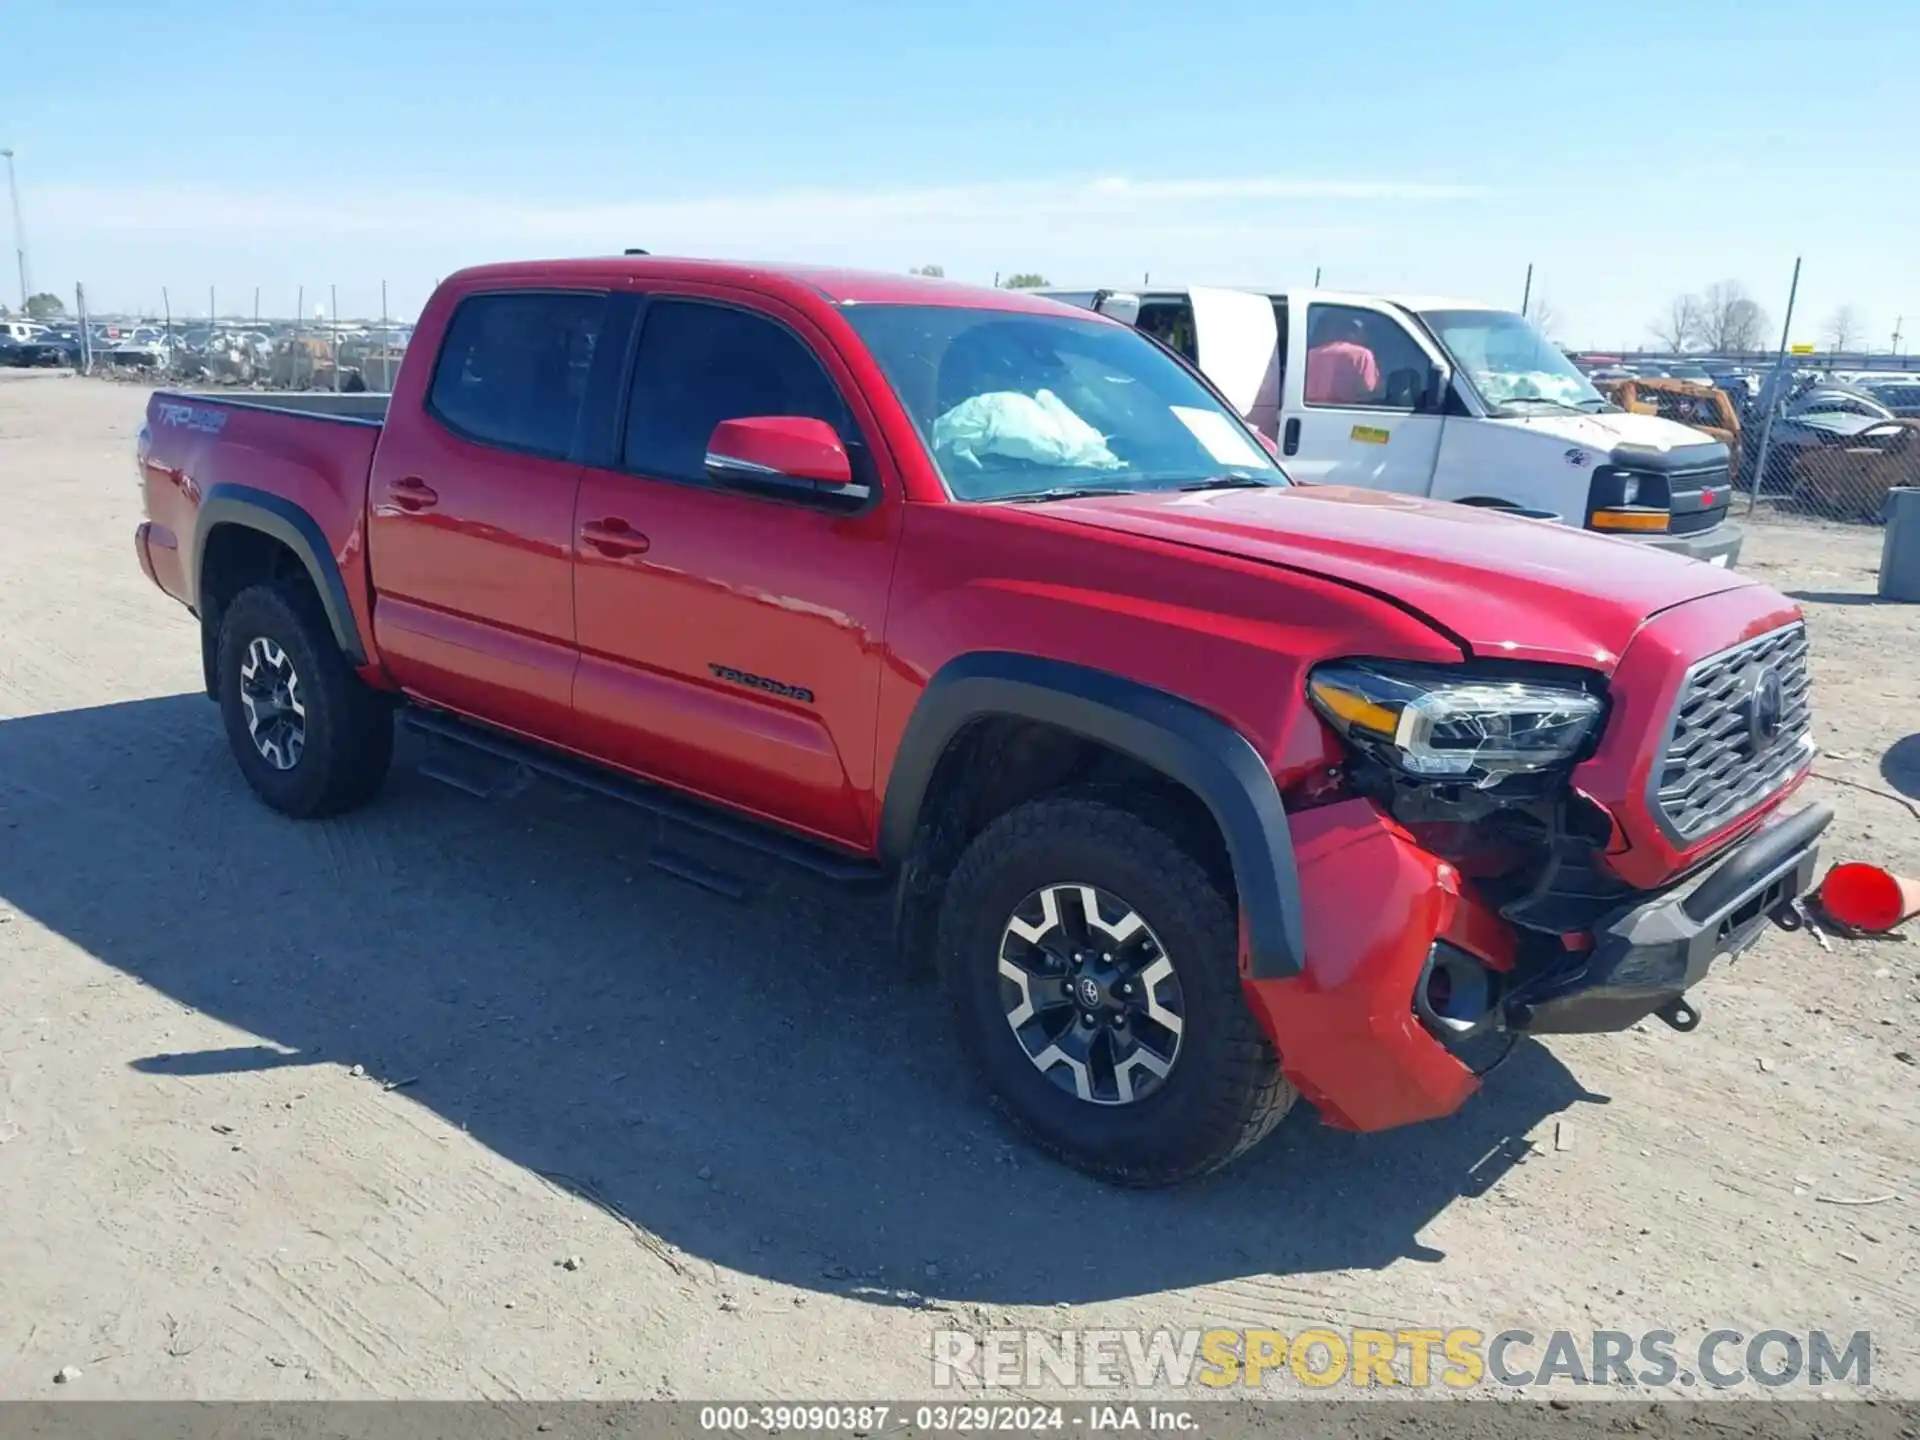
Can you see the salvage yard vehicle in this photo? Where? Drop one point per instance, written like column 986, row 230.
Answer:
column 1705, row 408
column 1899, row 393
column 1202, row 789
column 1449, row 399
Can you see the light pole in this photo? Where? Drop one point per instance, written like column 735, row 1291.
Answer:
column 19, row 229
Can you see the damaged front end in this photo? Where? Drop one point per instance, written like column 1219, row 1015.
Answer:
column 1460, row 883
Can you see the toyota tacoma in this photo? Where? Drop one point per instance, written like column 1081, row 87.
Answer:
column 1203, row 790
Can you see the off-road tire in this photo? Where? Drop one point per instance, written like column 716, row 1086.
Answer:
column 348, row 726
column 1224, row 1092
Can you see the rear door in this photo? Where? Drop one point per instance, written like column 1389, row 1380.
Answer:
column 1238, row 337
column 730, row 642
column 471, row 499
column 1363, row 398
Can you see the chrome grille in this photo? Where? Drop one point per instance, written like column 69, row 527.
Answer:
column 1719, row 760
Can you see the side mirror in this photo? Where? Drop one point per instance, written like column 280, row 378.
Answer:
column 789, row 454
column 1407, row 388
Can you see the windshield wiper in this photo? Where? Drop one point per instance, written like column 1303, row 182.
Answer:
column 1513, row 400
column 1228, row 482
column 1067, row 492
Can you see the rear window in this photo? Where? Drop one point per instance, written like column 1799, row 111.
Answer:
column 513, row 369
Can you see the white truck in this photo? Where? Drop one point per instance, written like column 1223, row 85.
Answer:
column 1444, row 398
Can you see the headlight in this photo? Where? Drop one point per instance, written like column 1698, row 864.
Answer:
column 1440, row 723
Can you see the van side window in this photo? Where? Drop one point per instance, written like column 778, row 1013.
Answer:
column 700, row 364
column 512, row 371
column 1361, row 359
column 1171, row 323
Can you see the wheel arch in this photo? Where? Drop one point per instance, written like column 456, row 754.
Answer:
column 1189, row 746
column 281, row 520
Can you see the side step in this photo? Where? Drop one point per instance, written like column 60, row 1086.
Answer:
column 676, row 809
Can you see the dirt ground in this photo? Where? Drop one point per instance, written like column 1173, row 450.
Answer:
column 320, row 1110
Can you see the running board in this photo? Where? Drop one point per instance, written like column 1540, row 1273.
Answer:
column 677, row 809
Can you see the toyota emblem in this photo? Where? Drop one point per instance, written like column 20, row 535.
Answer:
column 1766, row 709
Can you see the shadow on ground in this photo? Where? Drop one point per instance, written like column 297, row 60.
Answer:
column 754, row 1082
column 1900, row 766
column 1837, row 597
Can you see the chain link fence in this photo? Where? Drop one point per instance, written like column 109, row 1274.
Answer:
column 325, row 352
column 1823, row 439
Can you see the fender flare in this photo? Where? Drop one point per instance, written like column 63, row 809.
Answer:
column 1187, row 744
column 274, row 515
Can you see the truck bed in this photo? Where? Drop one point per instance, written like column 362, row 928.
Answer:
column 322, row 404
column 214, row 456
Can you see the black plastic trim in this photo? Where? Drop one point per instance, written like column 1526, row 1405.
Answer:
column 1179, row 739
column 1648, row 954
column 735, row 829
column 227, row 504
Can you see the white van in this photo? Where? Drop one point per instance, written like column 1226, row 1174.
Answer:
column 1447, row 398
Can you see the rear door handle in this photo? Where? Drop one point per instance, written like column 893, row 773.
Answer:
column 411, row 493
column 1290, row 441
column 614, row 538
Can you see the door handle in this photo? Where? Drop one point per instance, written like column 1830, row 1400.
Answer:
column 413, row 494
column 1290, row 440
column 614, row 538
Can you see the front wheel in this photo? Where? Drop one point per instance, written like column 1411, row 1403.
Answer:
column 1091, row 966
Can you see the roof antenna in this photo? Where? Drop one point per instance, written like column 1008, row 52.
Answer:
column 633, row 252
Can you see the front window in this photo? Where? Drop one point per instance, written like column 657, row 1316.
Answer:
column 1022, row 406
column 1515, row 368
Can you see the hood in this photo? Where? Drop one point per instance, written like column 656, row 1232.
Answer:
column 1600, row 433
column 1504, row 587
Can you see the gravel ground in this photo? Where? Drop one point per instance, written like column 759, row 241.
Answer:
column 302, row 1111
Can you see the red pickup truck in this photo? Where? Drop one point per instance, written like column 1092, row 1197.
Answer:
column 1205, row 790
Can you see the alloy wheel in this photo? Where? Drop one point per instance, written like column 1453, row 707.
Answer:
column 1090, row 994
column 270, row 696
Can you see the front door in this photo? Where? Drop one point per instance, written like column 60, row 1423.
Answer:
column 730, row 642
column 1362, row 402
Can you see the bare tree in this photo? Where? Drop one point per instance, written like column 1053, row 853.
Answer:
column 1731, row 320
column 1025, row 280
column 1546, row 319
column 1843, row 330
column 1678, row 327
column 932, row 272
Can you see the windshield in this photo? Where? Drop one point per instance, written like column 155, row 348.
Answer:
column 1015, row 405
column 1511, row 364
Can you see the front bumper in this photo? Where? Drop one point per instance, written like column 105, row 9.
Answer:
column 1379, row 908
column 1646, row 955
column 1718, row 546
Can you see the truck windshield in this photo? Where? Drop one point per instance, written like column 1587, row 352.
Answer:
column 1513, row 366
column 1020, row 406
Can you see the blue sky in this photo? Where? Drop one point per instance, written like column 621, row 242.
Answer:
column 1629, row 150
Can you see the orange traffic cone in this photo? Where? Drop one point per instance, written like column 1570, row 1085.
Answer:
column 1866, row 897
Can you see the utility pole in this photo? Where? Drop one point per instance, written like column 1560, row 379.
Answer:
column 19, row 229
column 1773, row 390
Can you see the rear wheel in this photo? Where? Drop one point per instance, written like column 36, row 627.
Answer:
column 310, row 736
column 1091, row 966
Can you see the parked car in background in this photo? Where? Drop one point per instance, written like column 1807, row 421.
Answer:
column 1899, row 393
column 1450, row 399
column 1827, row 417
column 24, row 344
